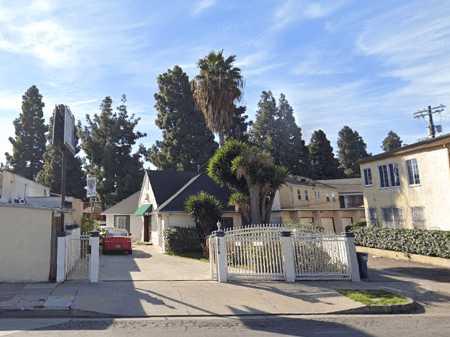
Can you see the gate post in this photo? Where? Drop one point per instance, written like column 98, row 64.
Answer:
column 351, row 256
column 221, row 257
column 94, row 258
column 61, row 258
column 287, row 252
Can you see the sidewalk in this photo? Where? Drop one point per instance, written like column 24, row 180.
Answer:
column 177, row 298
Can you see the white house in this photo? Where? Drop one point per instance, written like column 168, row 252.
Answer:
column 15, row 188
column 159, row 205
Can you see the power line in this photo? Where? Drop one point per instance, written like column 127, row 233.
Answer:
column 429, row 112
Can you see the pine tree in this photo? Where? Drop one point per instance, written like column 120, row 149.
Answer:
column 29, row 142
column 187, row 142
column 352, row 148
column 324, row 165
column 107, row 140
column 240, row 125
column 289, row 148
column 262, row 132
column 391, row 142
column 50, row 174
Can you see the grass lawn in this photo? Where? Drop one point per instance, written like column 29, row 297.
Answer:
column 192, row 255
column 374, row 297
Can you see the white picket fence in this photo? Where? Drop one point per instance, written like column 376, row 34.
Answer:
column 273, row 252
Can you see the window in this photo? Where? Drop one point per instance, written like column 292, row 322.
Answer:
column 413, row 172
column 122, row 221
column 394, row 174
column 367, row 177
column 328, row 198
column 418, row 217
column 384, row 179
column 373, row 216
column 317, row 195
column 299, row 195
column 306, row 195
column 389, row 175
column 392, row 217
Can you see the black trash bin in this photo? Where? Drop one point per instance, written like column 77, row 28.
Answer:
column 363, row 258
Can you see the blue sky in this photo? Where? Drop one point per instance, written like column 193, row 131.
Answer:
column 366, row 64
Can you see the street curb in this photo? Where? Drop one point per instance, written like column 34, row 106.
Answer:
column 408, row 308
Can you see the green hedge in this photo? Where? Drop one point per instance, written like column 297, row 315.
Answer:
column 180, row 240
column 412, row 241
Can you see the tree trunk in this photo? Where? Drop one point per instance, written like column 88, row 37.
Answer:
column 221, row 138
column 255, row 205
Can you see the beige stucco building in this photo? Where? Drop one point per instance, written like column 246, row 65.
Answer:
column 15, row 188
column 331, row 204
column 409, row 187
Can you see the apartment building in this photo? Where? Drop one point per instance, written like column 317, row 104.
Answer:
column 332, row 204
column 410, row 186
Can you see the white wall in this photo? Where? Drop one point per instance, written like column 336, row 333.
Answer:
column 137, row 227
column 25, row 235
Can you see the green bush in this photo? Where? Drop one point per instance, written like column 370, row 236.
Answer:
column 353, row 227
column 180, row 240
column 412, row 241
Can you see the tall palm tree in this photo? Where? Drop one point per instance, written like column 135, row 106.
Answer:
column 216, row 89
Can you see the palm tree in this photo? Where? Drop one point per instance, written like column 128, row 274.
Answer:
column 216, row 88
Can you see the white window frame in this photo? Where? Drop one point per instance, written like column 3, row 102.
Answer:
column 418, row 218
column 306, row 195
column 383, row 173
column 394, row 174
column 368, row 179
column 373, row 216
column 396, row 217
column 412, row 168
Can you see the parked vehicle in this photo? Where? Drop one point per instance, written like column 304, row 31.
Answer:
column 115, row 240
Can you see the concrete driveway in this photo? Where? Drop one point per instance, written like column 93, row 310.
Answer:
column 148, row 264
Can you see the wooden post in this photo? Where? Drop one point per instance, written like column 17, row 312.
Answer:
column 287, row 252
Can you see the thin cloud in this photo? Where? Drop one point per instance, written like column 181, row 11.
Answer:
column 202, row 5
column 297, row 10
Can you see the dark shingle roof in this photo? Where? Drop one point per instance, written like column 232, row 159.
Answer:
column 166, row 183
column 201, row 183
column 126, row 206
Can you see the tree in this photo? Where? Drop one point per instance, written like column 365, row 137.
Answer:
column 391, row 142
column 206, row 211
column 352, row 148
column 324, row 165
column 50, row 174
column 252, row 177
column 186, row 140
column 239, row 126
column 216, row 89
column 29, row 142
column 289, row 148
column 263, row 179
column 263, row 128
column 108, row 140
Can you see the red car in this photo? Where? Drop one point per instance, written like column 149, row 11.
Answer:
column 117, row 240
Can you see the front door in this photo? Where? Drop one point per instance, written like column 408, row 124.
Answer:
column 147, row 229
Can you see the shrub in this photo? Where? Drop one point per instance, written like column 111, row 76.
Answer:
column 412, row 241
column 180, row 240
column 87, row 224
column 353, row 227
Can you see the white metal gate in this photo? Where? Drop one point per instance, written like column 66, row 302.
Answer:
column 77, row 257
column 256, row 253
column 320, row 256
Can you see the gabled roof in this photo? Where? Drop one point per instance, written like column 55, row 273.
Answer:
column 126, row 206
column 429, row 143
column 167, row 182
column 298, row 180
column 201, row 183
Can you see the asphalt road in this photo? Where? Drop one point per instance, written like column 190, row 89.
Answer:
column 347, row 326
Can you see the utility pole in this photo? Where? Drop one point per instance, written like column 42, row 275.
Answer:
column 428, row 113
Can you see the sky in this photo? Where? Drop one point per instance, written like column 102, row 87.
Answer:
column 366, row 64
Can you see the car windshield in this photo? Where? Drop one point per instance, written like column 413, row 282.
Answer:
column 117, row 233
